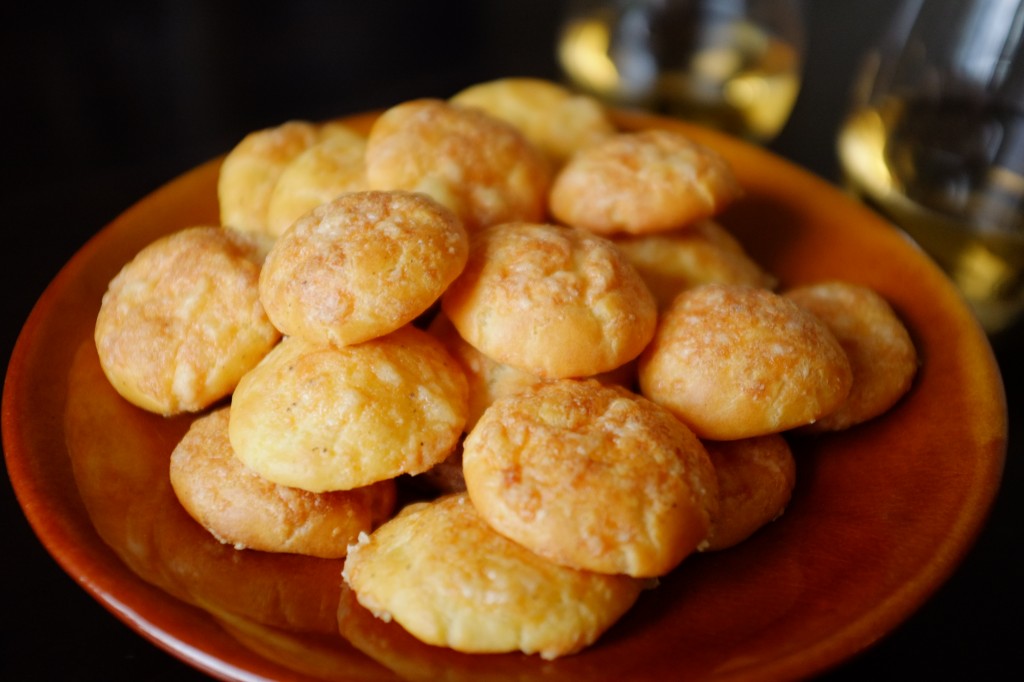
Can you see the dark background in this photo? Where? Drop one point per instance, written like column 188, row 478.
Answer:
column 101, row 106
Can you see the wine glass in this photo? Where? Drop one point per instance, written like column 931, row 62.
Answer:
column 730, row 64
column 935, row 141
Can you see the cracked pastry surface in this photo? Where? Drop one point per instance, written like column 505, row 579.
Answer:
column 182, row 322
column 478, row 166
column 331, row 166
column 251, row 169
column 882, row 354
column 243, row 509
column 361, row 266
column 701, row 253
column 756, row 477
column 450, row 580
column 489, row 379
column 322, row 417
column 552, row 300
column 556, row 120
column 591, row 476
column 734, row 361
column 642, row 182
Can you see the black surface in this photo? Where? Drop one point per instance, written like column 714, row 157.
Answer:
column 102, row 106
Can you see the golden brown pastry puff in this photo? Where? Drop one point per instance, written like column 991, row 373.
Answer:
column 182, row 322
column 591, row 476
column 556, row 120
column 251, row 169
column 362, row 266
column 243, row 509
column 756, row 477
column 642, row 182
column 322, row 417
column 447, row 578
column 479, row 166
column 331, row 166
column 702, row 253
column 552, row 300
column 735, row 361
column 881, row 352
column 489, row 379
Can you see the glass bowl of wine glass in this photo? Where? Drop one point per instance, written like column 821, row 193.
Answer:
column 734, row 65
column 934, row 141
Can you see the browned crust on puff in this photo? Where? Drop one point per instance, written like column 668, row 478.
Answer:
column 555, row 301
column 554, row 119
column 251, row 169
column 321, row 417
column 240, row 508
column 701, row 253
column 489, row 379
column 450, row 580
column 362, row 266
column 756, row 477
column 593, row 477
column 881, row 352
column 333, row 165
column 478, row 166
column 734, row 362
column 642, row 182
column 182, row 322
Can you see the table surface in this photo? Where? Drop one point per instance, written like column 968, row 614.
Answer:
column 103, row 106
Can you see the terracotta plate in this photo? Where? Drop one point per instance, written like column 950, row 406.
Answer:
column 881, row 516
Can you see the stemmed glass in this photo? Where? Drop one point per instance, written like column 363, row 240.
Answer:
column 730, row 64
column 935, row 141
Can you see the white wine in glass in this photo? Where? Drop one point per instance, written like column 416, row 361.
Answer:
column 730, row 64
column 943, row 156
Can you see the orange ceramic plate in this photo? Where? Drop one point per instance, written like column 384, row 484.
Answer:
column 880, row 518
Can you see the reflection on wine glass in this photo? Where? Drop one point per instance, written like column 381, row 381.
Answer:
column 730, row 64
column 935, row 141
